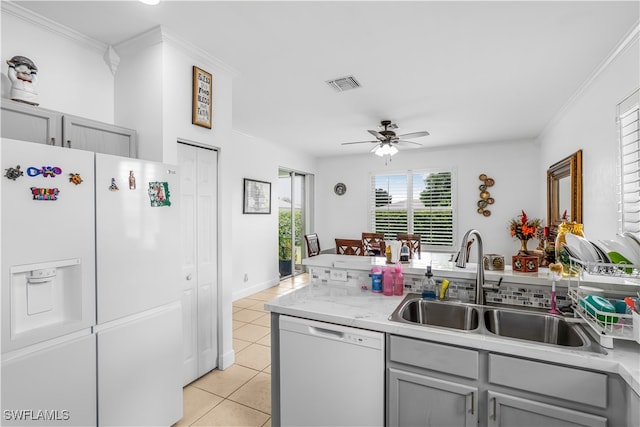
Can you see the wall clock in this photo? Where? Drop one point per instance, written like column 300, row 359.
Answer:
column 340, row 189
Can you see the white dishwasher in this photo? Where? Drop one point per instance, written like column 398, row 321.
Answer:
column 330, row 375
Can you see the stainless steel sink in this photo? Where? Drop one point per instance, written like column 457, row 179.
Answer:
column 530, row 326
column 416, row 310
column 503, row 322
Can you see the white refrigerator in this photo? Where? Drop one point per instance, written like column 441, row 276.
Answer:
column 91, row 317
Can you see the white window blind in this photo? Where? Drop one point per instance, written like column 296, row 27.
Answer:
column 416, row 202
column 629, row 164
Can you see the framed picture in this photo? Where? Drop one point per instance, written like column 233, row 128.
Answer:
column 257, row 197
column 202, row 98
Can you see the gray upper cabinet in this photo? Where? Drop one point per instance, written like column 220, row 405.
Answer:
column 90, row 135
column 27, row 123
column 34, row 124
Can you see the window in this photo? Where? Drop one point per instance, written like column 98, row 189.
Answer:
column 429, row 211
column 629, row 164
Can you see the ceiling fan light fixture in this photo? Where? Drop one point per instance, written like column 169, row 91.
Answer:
column 385, row 150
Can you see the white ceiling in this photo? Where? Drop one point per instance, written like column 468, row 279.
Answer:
column 468, row 72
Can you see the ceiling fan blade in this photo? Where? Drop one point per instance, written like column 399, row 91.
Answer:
column 414, row 134
column 377, row 134
column 409, row 142
column 359, row 142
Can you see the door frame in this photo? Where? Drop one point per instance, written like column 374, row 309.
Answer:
column 306, row 206
column 221, row 361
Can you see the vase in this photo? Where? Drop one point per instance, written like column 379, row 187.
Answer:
column 523, row 247
column 562, row 256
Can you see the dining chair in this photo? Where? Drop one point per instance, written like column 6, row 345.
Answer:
column 373, row 243
column 349, row 247
column 412, row 241
column 313, row 244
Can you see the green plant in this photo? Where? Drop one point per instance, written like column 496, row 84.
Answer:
column 284, row 232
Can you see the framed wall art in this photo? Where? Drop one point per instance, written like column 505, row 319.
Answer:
column 202, row 98
column 257, row 197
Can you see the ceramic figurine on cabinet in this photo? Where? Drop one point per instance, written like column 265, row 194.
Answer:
column 24, row 80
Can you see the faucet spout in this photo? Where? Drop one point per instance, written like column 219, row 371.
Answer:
column 462, row 262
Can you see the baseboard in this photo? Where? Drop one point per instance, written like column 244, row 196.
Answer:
column 226, row 360
column 243, row 293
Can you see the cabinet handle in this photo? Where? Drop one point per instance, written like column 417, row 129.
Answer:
column 69, row 143
column 53, row 141
column 473, row 403
column 493, row 415
column 188, row 276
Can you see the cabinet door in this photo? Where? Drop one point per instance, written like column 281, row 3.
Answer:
column 27, row 123
column 507, row 410
column 90, row 135
column 416, row 400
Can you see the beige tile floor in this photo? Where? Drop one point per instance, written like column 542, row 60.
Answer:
column 241, row 394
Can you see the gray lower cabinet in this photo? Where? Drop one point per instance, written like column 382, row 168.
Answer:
column 420, row 400
column 431, row 384
column 34, row 124
column 507, row 411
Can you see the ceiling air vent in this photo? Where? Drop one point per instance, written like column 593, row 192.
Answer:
column 343, row 83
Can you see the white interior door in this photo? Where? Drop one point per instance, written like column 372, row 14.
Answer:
column 199, row 264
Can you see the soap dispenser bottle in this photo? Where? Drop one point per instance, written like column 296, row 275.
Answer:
column 428, row 285
column 398, row 281
column 387, row 281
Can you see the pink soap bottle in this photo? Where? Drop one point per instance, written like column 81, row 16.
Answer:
column 387, row 282
column 398, row 281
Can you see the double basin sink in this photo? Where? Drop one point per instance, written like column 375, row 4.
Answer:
column 533, row 326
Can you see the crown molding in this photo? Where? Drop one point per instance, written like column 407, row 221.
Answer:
column 10, row 8
column 159, row 34
column 199, row 54
column 631, row 37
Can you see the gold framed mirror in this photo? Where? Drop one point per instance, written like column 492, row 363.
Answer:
column 564, row 190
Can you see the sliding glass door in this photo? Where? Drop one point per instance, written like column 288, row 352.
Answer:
column 291, row 214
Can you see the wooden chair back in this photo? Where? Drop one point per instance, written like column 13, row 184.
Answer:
column 313, row 244
column 349, row 247
column 372, row 243
column 412, row 241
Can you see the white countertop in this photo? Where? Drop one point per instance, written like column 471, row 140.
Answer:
column 345, row 305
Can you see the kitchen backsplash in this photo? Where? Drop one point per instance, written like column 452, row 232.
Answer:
column 459, row 289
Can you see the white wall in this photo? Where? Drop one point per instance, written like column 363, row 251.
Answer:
column 588, row 123
column 72, row 75
column 513, row 166
column 255, row 248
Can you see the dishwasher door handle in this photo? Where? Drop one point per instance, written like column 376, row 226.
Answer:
column 327, row 333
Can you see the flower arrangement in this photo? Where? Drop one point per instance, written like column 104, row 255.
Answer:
column 524, row 228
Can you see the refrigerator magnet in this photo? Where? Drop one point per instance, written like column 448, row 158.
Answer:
column 13, row 173
column 45, row 171
column 113, row 186
column 159, row 194
column 44, row 193
column 75, row 178
column 132, row 181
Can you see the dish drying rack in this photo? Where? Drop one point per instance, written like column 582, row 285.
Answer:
column 608, row 326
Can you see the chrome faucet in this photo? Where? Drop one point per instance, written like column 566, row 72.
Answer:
column 462, row 262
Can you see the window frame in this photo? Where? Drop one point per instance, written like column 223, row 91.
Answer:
column 409, row 173
column 627, row 108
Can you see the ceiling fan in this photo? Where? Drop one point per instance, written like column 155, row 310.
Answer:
column 386, row 139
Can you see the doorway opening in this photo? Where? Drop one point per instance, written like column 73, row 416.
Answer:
column 292, row 213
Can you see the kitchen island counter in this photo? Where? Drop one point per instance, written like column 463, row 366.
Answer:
column 341, row 304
